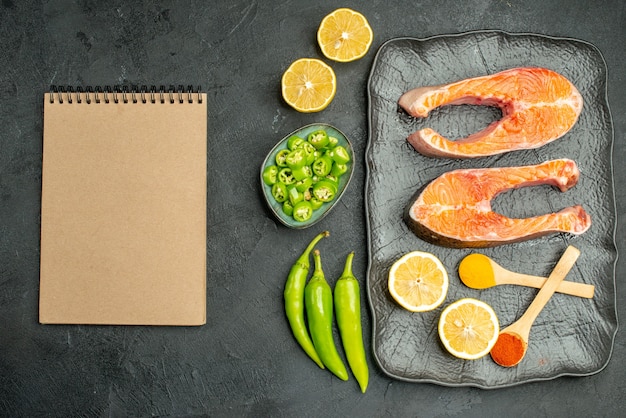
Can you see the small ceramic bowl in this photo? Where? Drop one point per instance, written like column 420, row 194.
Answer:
column 344, row 180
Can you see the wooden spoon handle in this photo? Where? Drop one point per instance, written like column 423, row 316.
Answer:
column 523, row 324
column 582, row 290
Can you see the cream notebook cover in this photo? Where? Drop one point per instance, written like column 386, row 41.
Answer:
column 123, row 210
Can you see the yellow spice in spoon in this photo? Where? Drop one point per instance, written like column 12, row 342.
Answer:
column 476, row 271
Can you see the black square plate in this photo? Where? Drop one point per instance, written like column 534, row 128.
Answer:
column 572, row 336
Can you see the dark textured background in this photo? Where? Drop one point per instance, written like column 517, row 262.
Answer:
column 244, row 360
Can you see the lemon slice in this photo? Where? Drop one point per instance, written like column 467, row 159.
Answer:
column 468, row 328
column 309, row 85
column 418, row 281
column 344, row 35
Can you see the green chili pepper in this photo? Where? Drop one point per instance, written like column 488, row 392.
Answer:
column 270, row 175
column 309, row 150
column 285, row 175
column 333, row 180
column 316, row 203
column 318, row 300
column 294, row 299
column 294, row 141
column 332, row 142
column 340, row 154
column 322, row 165
column 296, row 158
column 280, row 158
column 287, row 208
column 324, row 190
column 348, row 310
column 302, row 211
column 302, row 172
column 295, row 196
column 319, row 139
column 279, row 192
column 339, row 170
column 304, row 184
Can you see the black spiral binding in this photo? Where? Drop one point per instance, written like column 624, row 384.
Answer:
column 124, row 94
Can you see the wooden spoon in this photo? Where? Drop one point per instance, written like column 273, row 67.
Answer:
column 512, row 342
column 480, row 272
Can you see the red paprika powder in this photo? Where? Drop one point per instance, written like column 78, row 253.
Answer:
column 508, row 350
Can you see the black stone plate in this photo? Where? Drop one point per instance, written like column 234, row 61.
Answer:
column 572, row 336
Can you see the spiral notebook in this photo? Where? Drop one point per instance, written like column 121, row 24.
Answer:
column 123, row 210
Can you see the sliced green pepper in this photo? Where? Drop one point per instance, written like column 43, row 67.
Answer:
column 322, row 166
column 304, row 184
column 294, row 141
column 287, row 208
column 296, row 158
column 333, row 179
column 319, row 139
column 316, row 203
column 295, row 196
column 270, row 175
column 281, row 158
column 339, row 170
column 302, row 211
column 285, row 176
column 279, row 192
column 324, row 190
column 332, row 142
column 302, row 172
column 340, row 154
column 309, row 150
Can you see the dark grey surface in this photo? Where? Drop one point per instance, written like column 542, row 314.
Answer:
column 244, row 361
